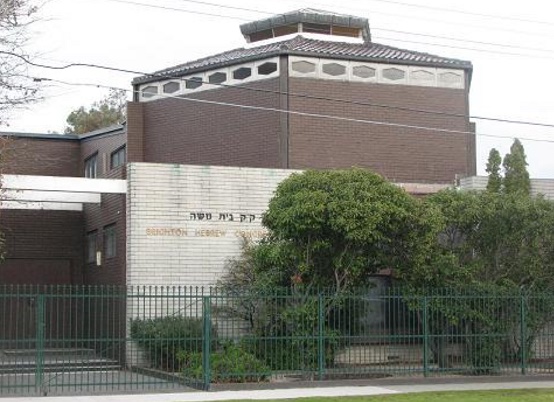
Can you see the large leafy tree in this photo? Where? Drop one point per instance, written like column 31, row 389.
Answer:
column 501, row 239
column 333, row 229
column 16, row 88
column 329, row 231
column 104, row 113
column 492, row 246
column 342, row 226
column 516, row 176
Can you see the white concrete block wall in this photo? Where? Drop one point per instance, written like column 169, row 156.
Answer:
column 170, row 240
column 543, row 187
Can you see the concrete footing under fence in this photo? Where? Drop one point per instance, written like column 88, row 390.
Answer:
column 321, row 389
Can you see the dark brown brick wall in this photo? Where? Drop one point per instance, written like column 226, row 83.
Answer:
column 48, row 240
column 44, row 240
column 104, row 145
column 135, row 131
column 41, row 246
column 110, row 211
column 400, row 154
column 44, row 157
column 180, row 131
column 177, row 131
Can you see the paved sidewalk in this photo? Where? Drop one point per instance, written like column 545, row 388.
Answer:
column 360, row 390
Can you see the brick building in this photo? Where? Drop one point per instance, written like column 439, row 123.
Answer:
column 206, row 142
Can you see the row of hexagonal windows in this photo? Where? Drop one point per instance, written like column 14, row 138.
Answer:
column 393, row 74
column 216, row 78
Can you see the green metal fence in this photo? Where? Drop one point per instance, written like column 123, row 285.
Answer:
column 60, row 340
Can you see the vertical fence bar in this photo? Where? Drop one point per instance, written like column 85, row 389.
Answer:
column 320, row 338
column 523, row 351
column 206, row 374
column 39, row 370
column 425, row 338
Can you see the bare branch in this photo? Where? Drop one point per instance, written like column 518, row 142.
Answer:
column 17, row 89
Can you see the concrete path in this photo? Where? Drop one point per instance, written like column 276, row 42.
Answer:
column 362, row 390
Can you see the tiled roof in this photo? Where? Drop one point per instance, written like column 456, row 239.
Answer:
column 301, row 46
column 308, row 15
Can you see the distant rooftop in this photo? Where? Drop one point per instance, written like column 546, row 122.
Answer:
column 307, row 20
column 115, row 129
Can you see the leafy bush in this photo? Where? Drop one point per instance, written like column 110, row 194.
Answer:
column 230, row 363
column 289, row 340
column 485, row 354
column 164, row 337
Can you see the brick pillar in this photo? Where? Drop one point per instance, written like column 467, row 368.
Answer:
column 135, row 132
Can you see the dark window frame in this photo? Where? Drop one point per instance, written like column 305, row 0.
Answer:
column 91, row 166
column 110, row 241
column 91, row 246
column 118, row 157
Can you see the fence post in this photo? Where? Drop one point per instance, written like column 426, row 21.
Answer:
column 320, row 338
column 522, row 320
column 425, row 338
column 207, row 333
column 39, row 369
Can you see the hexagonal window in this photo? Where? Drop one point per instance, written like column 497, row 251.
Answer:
column 171, row 87
column 149, row 91
column 242, row 73
column 303, row 67
column 393, row 74
column 334, row 69
column 364, row 72
column 422, row 75
column 217, row 78
column 193, row 82
column 451, row 78
column 267, row 68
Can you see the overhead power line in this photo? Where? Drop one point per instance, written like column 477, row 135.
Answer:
column 505, row 45
column 179, row 10
column 472, row 13
column 406, row 4
column 293, row 94
column 375, row 28
column 487, row 27
column 308, row 114
column 538, row 56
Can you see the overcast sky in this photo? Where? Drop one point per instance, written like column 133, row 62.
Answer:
column 510, row 44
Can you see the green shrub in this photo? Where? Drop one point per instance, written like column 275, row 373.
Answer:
column 485, row 354
column 290, row 339
column 164, row 337
column 230, row 363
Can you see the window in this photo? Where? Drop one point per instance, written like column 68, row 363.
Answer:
column 91, row 247
column 363, row 72
column 303, row 67
column 242, row 73
column 90, row 166
column 217, row 78
column 117, row 158
column 316, row 28
column 267, row 68
column 149, row 91
column 334, row 69
column 393, row 74
column 109, row 241
column 285, row 30
column 171, row 87
column 346, row 31
column 193, row 82
column 261, row 35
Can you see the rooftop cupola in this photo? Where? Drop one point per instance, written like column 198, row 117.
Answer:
column 307, row 20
